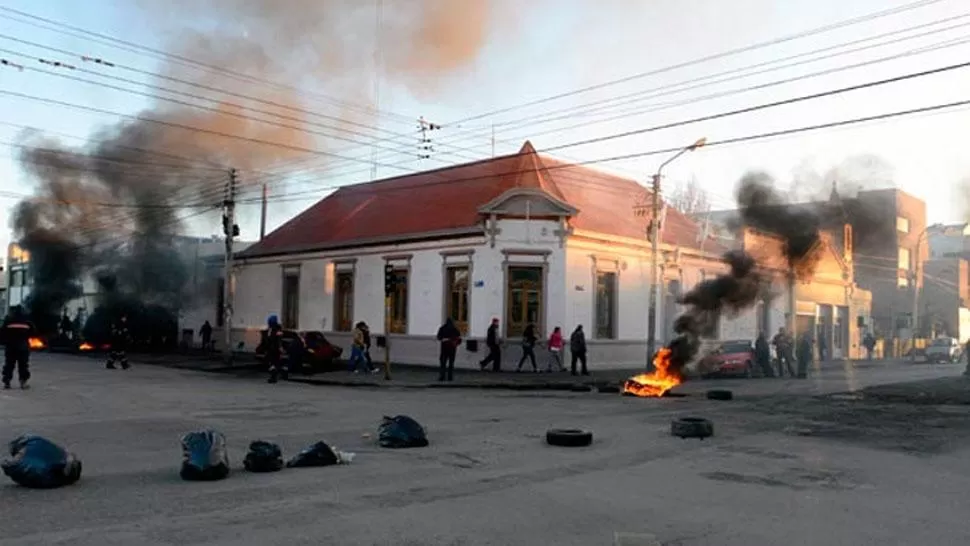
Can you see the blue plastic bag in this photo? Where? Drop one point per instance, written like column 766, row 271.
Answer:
column 401, row 432
column 39, row 463
column 204, row 456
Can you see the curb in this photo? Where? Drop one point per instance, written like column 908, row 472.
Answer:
column 508, row 386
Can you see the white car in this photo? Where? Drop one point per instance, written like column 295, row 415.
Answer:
column 943, row 349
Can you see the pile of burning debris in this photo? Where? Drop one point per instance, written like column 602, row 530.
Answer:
column 744, row 284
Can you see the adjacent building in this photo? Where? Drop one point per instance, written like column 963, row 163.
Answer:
column 525, row 238
column 887, row 243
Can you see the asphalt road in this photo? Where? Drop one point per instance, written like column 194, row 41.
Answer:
column 785, row 466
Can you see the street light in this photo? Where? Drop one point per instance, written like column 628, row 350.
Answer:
column 912, row 336
column 655, row 284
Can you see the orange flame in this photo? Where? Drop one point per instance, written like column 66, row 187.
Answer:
column 85, row 347
column 655, row 383
column 36, row 343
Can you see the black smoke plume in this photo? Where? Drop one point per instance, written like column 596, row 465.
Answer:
column 228, row 95
column 744, row 284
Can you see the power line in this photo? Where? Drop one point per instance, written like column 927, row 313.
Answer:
column 180, row 126
column 701, row 82
column 711, row 143
column 762, row 106
column 138, row 48
column 651, row 92
column 774, row 104
column 206, row 87
column 716, row 56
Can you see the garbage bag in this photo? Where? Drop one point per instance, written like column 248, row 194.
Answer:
column 204, row 456
column 39, row 463
column 263, row 457
column 400, row 432
column 319, row 454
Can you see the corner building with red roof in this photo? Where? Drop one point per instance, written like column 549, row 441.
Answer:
column 523, row 238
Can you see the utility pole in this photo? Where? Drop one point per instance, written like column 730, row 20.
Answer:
column 493, row 140
column 389, row 282
column 231, row 230
column 262, row 213
column 654, row 299
column 656, row 284
column 378, row 65
column 425, row 149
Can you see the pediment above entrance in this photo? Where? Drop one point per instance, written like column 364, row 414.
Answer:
column 522, row 202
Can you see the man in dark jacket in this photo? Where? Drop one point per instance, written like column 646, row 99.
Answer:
column 450, row 338
column 16, row 333
column 762, row 355
column 274, row 349
column 206, row 332
column 494, row 348
column 577, row 347
column 120, row 336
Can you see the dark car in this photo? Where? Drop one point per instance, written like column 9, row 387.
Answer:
column 306, row 352
column 733, row 357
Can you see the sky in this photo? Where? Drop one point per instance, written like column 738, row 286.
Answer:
column 515, row 60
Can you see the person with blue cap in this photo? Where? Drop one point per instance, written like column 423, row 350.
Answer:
column 274, row 349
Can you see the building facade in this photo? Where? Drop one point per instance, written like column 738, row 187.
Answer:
column 949, row 240
column 523, row 238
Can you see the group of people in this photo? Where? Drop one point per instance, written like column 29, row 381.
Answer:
column 555, row 345
column 788, row 357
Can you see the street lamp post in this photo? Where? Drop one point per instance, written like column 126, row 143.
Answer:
column 916, row 271
column 655, row 284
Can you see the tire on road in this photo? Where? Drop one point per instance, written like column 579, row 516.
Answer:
column 692, row 427
column 568, row 437
column 720, row 394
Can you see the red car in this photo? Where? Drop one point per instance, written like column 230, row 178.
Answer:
column 306, row 352
column 734, row 357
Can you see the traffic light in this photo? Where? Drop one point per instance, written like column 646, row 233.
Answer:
column 388, row 279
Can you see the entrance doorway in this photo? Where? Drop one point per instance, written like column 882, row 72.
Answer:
column 523, row 300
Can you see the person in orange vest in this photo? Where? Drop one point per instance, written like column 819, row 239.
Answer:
column 15, row 335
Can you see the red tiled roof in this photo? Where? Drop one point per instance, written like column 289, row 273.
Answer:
column 449, row 199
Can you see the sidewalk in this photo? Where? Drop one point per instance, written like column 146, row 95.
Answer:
column 417, row 376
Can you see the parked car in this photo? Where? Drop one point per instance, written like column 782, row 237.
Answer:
column 306, row 352
column 734, row 357
column 943, row 349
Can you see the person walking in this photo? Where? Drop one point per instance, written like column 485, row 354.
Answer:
column 762, row 355
column 783, row 347
column 120, row 337
column 869, row 342
column 555, row 350
column 366, row 330
column 15, row 335
column 274, row 350
column 528, row 347
column 577, row 348
column 449, row 338
column 358, row 360
column 206, row 332
column 492, row 341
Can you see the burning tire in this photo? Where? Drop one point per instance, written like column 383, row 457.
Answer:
column 692, row 427
column 569, row 437
column 720, row 394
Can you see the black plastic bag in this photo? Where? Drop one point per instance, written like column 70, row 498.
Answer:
column 263, row 457
column 319, row 454
column 204, row 456
column 400, row 432
column 39, row 463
